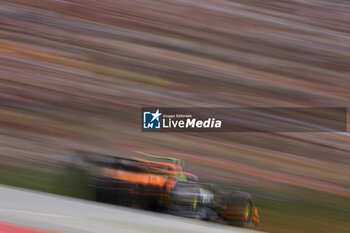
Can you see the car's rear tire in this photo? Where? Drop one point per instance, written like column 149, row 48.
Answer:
column 114, row 192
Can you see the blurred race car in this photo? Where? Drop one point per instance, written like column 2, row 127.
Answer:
column 159, row 183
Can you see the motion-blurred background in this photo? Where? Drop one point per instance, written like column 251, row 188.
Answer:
column 74, row 75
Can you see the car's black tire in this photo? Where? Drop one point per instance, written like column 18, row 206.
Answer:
column 114, row 192
column 239, row 209
column 124, row 193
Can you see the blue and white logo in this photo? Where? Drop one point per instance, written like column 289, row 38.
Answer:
column 151, row 120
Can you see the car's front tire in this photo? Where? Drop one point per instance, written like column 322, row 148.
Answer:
column 239, row 209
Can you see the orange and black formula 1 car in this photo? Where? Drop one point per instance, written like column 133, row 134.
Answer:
column 159, row 183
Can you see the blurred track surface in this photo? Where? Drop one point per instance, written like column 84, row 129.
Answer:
column 62, row 214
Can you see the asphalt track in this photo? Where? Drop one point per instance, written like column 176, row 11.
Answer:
column 69, row 215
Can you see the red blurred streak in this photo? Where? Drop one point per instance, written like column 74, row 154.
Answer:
column 11, row 228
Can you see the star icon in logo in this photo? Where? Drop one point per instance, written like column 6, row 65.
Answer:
column 156, row 115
